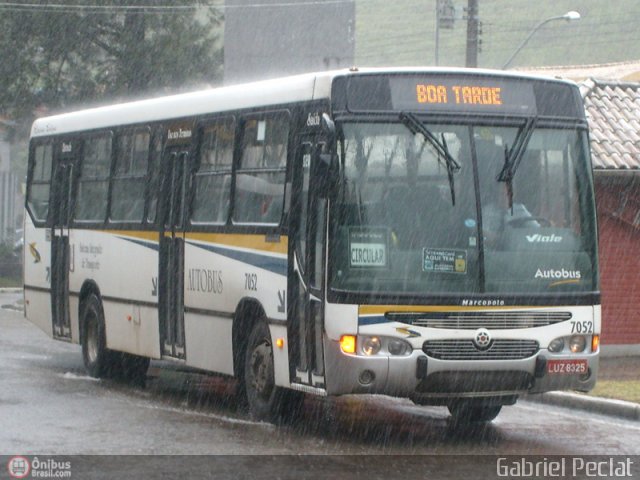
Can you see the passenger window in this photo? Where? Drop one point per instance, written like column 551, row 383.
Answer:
column 213, row 177
column 129, row 181
column 154, row 178
column 38, row 196
column 260, row 177
column 93, row 187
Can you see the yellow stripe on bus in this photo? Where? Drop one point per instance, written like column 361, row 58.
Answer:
column 139, row 234
column 260, row 242
column 239, row 240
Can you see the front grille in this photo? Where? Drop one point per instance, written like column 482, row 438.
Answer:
column 500, row 349
column 475, row 320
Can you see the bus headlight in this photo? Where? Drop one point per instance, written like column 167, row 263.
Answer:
column 577, row 343
column 398, row 347
column 556, row 345
column 371, row 345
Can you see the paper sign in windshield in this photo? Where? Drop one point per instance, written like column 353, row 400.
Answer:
column 368, row 248
column 441, row 260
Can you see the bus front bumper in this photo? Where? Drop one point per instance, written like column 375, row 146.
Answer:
column 417, row 375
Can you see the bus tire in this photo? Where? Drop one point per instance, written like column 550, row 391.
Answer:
column 468, row 412
column 98, row 360
column 263, row 397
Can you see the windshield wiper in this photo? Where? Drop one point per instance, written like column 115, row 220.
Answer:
column 416, row 126
column 513, row 156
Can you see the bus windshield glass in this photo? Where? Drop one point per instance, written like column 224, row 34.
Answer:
column 406, row 223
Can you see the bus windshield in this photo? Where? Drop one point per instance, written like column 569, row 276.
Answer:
column 406, row 222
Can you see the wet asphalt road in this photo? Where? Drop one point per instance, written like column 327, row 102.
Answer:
column 48, row 405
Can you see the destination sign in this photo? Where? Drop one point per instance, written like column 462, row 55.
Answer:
column 179, row 133
column 458, row 94
column 455, row 93
column 368, row 247
column 463, row 94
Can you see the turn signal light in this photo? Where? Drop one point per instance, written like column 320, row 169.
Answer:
column 595, row 343
column 348, row 343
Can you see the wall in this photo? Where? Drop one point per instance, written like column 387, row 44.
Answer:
column 618, row 201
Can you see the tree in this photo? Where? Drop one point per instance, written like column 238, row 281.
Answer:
column 57, row 59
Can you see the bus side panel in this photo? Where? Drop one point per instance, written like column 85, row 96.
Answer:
column 221, row 270
column 124, row 267
column 208, row 342
column 37, row 279
column 132, row 328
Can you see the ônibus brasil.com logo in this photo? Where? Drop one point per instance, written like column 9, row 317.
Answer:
column 19, row 467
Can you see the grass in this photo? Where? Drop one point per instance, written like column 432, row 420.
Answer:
column 621, row 390
column 403, row 33
column 10, row 282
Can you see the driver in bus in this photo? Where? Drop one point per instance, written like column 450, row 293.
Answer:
column 497, row 215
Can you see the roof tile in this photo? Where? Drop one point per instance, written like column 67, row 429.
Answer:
column 613, row 113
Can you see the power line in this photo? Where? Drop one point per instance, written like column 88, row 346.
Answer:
column 110, row 9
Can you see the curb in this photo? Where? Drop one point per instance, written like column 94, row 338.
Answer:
column 604, row 406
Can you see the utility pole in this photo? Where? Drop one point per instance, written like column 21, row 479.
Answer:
column 473, row 32
column 445, row 19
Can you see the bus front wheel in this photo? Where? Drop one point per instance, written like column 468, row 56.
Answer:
column 97, row 359
column 267, row 401
column 259, row 375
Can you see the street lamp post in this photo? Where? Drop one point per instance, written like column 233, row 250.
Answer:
column 569, row 17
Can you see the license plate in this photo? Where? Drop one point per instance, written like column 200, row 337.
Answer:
column 566, row 367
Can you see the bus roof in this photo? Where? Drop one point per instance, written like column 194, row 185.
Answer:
column 305, row 87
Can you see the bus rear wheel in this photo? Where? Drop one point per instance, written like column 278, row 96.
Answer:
column 98, row 360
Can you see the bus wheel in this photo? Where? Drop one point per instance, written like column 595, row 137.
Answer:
column 468, row 412
column 98, row 361
column 259, row 377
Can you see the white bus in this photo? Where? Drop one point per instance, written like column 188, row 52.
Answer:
column 424, row 233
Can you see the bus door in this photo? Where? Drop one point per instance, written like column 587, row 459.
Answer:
column 61, row 206
column 306, row 315
column 174, row 189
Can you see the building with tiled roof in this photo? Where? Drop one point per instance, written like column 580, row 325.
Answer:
column 613, row 109
column 613, row 112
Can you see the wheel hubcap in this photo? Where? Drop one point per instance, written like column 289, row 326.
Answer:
column 92, row 340
column 262, row 369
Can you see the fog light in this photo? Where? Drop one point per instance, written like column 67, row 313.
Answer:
column 367, row 377
column 371, row 345
column 398, row 347
column 577, row 343
column 585, row 376
column 556, row 345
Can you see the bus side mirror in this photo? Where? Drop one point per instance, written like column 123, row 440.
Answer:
column 328, row 127
column 326, row 163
